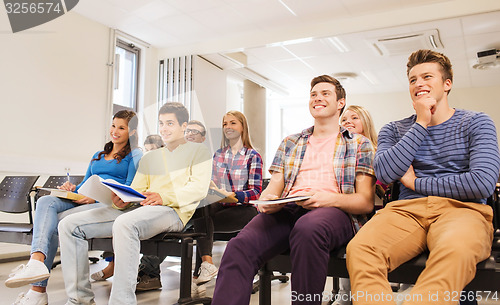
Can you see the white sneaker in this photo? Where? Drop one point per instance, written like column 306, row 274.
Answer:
column 198, row 291
column 207, row 272
column 31, row 298
column 32, row 272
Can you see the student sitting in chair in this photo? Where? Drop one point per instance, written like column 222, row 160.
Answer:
column 326, row 162
column 447, row 161
column 236, row 172
column 117, row 161
column 174, row 179
column 148, row 277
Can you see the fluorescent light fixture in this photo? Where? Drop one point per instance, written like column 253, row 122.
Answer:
column 297, row 41
column 369, row 77
column 338, row 44
column 290, row 42
column 288, row 8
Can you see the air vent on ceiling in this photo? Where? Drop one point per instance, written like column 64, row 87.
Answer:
column 407, row 43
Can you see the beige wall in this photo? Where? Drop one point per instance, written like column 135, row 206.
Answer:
column 54, row 94
column 255, row 112
column 55, row 105
column 209, row 103
column 386, row 107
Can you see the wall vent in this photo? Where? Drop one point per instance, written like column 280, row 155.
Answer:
column 406, row 43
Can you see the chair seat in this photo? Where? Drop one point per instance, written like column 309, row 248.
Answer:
column 16, row 227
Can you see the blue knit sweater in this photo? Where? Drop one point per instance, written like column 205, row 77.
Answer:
column 457, row 159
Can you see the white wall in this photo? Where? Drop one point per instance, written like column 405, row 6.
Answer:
column 209, row 105
column 54, row 93
column 386, row 107
column 54, row 83
column 54, row 106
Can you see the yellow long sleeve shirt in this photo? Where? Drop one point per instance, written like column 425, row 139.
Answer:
column 181, row 176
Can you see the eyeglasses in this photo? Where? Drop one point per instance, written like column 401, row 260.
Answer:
column 193, row 131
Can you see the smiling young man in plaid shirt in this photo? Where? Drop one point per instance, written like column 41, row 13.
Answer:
column 331, row 165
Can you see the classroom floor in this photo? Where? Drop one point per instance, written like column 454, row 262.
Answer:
column 167, row 295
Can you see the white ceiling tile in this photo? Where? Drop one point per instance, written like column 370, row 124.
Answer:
column 189, row 6
column 192, row 30
column 361, row 7
column 482, row 23
column 131, row 5
column 312, row 48
column 155, row 10
column 482, row 42
column 218, row 19
column 269, row 54
column 103, row 12
column 448, row 28
column 174, row 23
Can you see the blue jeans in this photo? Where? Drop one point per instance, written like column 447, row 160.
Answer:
column 49, row 210
column 127, row 228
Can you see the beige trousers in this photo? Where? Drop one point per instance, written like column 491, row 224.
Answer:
column 457, row 234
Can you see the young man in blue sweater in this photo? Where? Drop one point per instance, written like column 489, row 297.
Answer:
column 448, row 163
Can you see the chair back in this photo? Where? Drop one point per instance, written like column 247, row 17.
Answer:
column 494, row 202
column 265, row 183
column 391, row 193
column 55, row 181
column 15, row 193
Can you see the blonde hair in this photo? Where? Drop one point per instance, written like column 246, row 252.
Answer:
column 245, row 136
column 366, row 121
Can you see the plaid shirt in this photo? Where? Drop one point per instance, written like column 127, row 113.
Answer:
column 353, row 154
column 241, row 173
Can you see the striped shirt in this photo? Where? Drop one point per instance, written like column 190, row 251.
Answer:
column 457, row 159
column 241, row 173
column 353, row 154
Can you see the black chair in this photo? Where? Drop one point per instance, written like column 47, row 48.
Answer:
column 15, row 197
column 487, row 275
column 54, row 182
column 178, row 244
column 226, row 230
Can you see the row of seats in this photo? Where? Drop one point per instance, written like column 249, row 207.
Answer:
column 487, row 276
column 16, row 193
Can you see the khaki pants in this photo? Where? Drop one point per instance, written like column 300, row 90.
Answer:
column 457, row 234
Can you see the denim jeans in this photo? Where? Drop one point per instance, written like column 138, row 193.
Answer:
column 127, row 228
column 48, row 213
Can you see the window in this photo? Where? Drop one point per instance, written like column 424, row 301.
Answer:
column 126, row 76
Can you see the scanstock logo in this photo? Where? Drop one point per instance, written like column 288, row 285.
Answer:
column 25, row 14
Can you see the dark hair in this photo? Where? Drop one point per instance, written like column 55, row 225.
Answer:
column 155, row 140
column 195, row 122
column 339, row 90
column 178, row 109
column 132, row 142
column 425, row 56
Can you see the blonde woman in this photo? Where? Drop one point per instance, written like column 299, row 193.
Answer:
column 356, row 119
column 236, row 171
